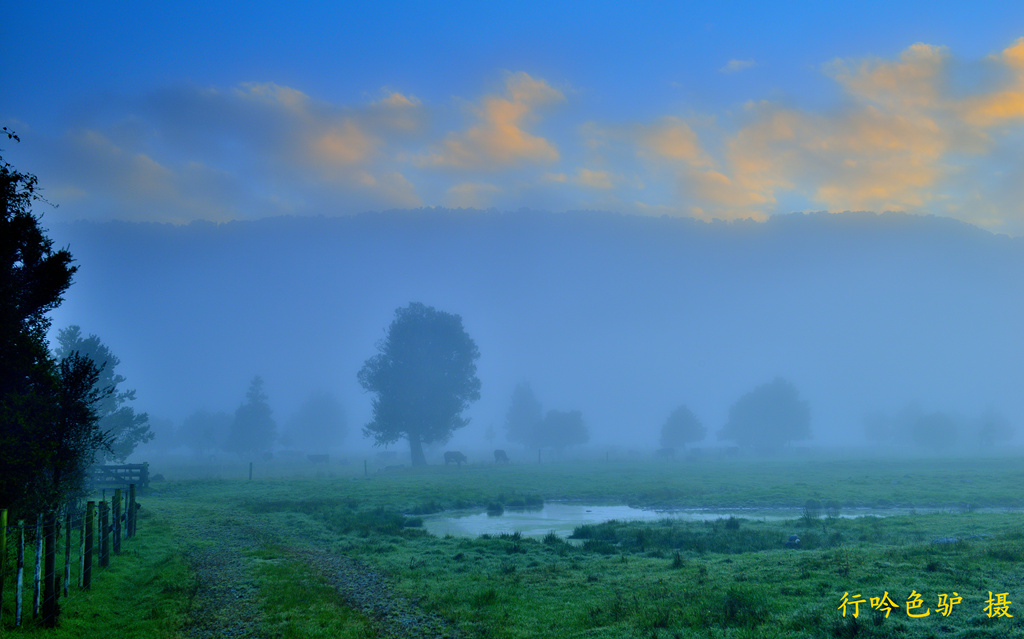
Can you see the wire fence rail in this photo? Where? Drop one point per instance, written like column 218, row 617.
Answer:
column 101, row 528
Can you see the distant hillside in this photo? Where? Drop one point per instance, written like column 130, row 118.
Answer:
column 621, row 317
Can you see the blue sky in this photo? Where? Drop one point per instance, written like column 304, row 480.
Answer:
column 226, row 111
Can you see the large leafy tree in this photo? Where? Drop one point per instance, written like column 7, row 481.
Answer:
column 681, row 428
column 524, row 422
column 423, row 378
column 204, row 431
column 126, row 428
column 768, row 417
column 33, row 279
column 253, row 429
column 564, row 428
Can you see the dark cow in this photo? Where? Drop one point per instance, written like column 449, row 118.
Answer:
column 500, row 457
column 454, row 457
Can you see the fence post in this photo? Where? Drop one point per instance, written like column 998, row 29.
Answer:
column 250, row 471
column 38, row 581
column 67, row 548
column 18, row 589
column 104, row 534
column 131, row 512
column 3, row 558
column 81, row 551
column 50, row 578
column 90, row 518
column 117, row 521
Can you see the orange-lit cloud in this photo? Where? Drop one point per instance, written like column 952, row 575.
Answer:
column 902, row 137
column 672, row 139
column 500, row 138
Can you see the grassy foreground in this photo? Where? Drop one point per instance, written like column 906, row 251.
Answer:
column 726, row 578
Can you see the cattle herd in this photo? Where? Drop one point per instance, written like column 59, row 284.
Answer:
column 457, row 458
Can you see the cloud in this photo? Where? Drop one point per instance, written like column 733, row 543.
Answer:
column 922, row 131
column 593, row 179
column 344, row 145
column 1006, row 105
column 671, row 139
column 125, row 184
column 737, row 65
column 500, row 139
column 910, row 82
column 469, row 195
column 908, row 137
column 252, row 150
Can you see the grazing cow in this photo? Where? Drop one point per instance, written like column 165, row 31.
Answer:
column 454, row 457
column 794, row 542
column 319, row 459
column 500, row 457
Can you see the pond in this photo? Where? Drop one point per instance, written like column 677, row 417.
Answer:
column 562, row 518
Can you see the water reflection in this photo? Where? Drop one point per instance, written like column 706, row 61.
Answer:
column 562, row 518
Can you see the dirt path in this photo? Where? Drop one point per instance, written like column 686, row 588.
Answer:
column 225, row 602
column 225, row 597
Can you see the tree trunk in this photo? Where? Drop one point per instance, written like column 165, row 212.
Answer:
column 416, row 450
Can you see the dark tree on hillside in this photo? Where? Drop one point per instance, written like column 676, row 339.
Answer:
column 126, row 428
column 424, row 377
column 33, row 279
column 681, row 428
column 564, row 428
column 318, row 425
column 768, row 417
column 253, row 429
column 524, row 421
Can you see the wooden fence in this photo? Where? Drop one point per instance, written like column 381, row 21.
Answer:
column 100, row 531
column 118, row 476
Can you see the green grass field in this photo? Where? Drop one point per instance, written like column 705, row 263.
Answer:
column 668, row 578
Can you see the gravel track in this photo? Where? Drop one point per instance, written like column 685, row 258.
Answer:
column 225, row 601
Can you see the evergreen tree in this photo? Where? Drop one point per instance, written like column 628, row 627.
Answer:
column 253, row 429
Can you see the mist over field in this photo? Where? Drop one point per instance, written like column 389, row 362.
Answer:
column 621, row 317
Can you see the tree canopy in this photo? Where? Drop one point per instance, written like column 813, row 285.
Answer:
column 319, row 424
column 253, row 429
column 126, row 428
column 524, row 422
column 564, row 428
column 205, row 431
column 682, row 427
column 768, row 417
column 423, row 378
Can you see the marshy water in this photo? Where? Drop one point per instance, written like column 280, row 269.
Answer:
column 562, row 518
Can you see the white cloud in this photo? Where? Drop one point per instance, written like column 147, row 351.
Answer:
column 737, row 65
